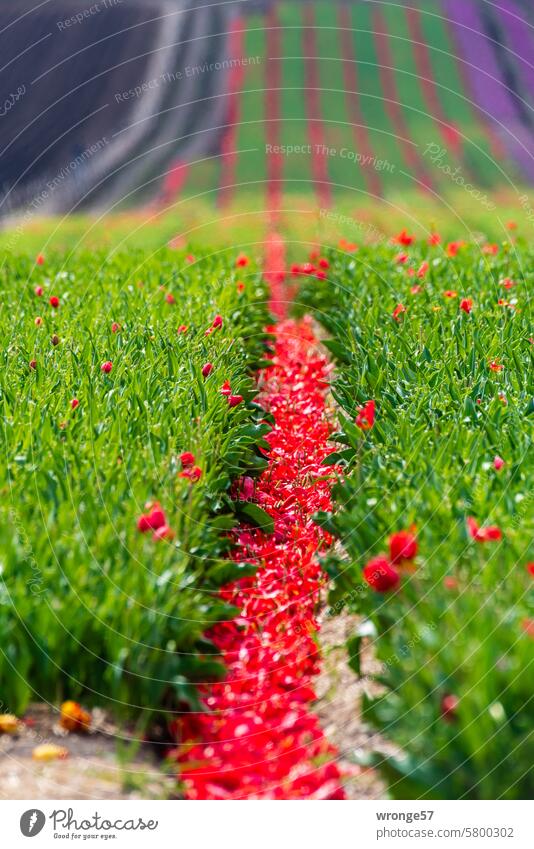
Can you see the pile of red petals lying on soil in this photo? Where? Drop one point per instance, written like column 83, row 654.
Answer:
column 258, row 737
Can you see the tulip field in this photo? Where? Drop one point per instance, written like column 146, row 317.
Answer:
column 119, row 450
column 433, row 347
column 208, row 455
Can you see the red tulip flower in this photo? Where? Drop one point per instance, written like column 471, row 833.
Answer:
column 33, row 364
column 207, row 369
column 434, row 239
column 217, row 322
column 191, row 473
column 402, row 546
column 106, row 367
column 530, row 569
column 423, row 268
column 115, row 327
column 404, row 238
column 38, row 291
column 226, row 389
column 235, row 400
column 170, row 298
column 449, row 705
column 380, row 575
column 498, row 463
column 366, row 417
column 38, row 321
column 182, row 329
column 39, row 259
column 242, row 260
column 466, row 304
column 495, row 366
column 74, row 403
column 54, row 302
column 187, row 459
column 491, row 533
column 399, row 309
column 152, row 520
column 163, row 532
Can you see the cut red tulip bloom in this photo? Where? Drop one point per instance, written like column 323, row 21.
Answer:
column 226, row 389
column 115, row 327
column 491, row 533
column 187, row 459
column 106, row 367
column 498, row 463
column 182, row 329
column 38, row 291
column 170, row 298
column 74, row 403
column 366, row 417
column 466, row 304
column 54, row 302
column 270, row 650
column 39, row 259
column 423, row 268
column 323, row 263
column 235, row 400
column 217, row 321
column 207, row 369
column 449, row 706
column 495, row 366
column 242, row 260
column 399, row 309
column 380, row 575
column 33, row 364
column 402, row 546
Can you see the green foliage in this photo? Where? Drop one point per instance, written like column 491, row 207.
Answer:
column 88, row 605
column 459, row 622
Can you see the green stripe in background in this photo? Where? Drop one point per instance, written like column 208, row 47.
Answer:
column 342, row 165
column 294, row 119
column 251, row 169
column 381, row 133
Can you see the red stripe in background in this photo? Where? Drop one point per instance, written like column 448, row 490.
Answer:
column 229, row 140
column 312, row 94
column 449, row 133
column 173, row 183
column 272, row 115
column 391, row 100
column 361, row 136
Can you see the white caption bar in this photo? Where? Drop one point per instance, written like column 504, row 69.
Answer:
column 268, row 825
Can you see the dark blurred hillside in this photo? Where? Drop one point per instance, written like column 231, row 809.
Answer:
column 94, row 96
